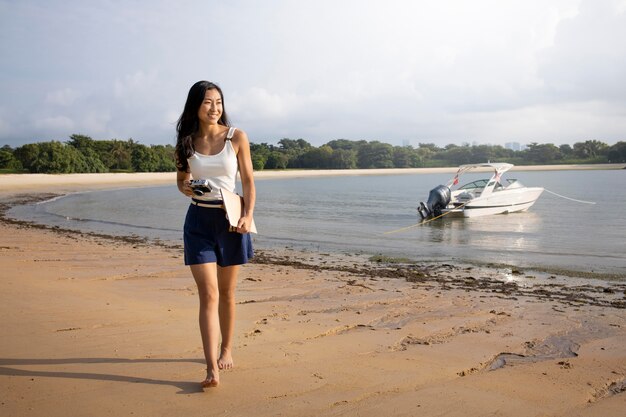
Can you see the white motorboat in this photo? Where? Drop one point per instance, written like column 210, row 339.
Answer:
column 482, row 197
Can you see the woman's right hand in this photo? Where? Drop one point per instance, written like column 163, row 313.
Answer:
column 186, row 189
column 183, row 179
column 183, row 187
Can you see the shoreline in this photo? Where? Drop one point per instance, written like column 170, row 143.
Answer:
column 87, row 313
column 17, row 189
column 571, row 288
column 7, row 202
column 568, row 286
column 18, row 183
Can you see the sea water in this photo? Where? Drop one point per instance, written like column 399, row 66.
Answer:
column 353, row 214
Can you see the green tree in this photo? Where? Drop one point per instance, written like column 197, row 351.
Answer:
column 259, row 155
column 27, row 154
column 88, row 147
column 566, row 151
column 293, row 149
column 5, row 158
column 258, row 162
column 81, row 142
column 617, row 153
column 458, row 155
column 51, row 157
column 299, row 145
column 317, row 158
column 430, row 146
column 345, row 144
column 427, row 151
column 144, row 159
column 8, row 160
column 542, row 153
column 375, row 154
column 276, row 160
column 589, row 149
column 121, row 155
column 165, row 158
column 93, row 163
column 405, row 157
column 343, row 159
column 482, row 153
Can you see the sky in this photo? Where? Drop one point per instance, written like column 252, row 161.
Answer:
column 399, row 71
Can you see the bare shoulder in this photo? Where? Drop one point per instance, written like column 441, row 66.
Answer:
column 240, row 139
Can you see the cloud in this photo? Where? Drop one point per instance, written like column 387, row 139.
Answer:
column 135, row 85
column 358, row 69
column 546, row 123
column 588, row 59
column 4, row 127
column 54, row 124
column 257, row 103
column 96, row 122
column 64, row 97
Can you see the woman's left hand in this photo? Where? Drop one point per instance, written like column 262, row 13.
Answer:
column 243, row 225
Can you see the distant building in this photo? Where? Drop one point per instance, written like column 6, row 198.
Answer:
column 515, row 146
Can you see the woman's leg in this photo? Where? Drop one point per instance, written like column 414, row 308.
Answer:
column 227, row 282
column 205, row 276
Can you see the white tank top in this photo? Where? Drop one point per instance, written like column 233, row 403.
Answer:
column 220, row 169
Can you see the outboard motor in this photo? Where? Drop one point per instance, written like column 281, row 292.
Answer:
column 438, row 199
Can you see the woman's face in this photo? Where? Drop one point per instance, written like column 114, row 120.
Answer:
column 210, row 110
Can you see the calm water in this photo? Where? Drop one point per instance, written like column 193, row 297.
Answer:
column 350, row 215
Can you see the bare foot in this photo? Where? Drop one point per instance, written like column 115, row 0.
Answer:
column 212, row 380
column 226, row 360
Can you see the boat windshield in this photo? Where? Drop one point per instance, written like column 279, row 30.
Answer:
column 514, row 184
column 476, row 184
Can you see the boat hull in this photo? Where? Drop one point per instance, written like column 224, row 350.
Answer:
column 498, row 203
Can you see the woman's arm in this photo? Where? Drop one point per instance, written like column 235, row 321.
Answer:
column 242, row 147
column 182, row 181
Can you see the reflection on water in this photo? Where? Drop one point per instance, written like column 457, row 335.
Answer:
column 513, row 231
column 501, row 239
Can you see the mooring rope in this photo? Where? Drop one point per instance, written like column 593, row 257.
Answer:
column 567, row 198
column 424, row 221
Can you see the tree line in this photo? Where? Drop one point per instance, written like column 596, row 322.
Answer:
column 84, row 154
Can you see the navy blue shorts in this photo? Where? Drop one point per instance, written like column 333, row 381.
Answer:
column 207, row 239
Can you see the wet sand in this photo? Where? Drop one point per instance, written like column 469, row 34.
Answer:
column 94, row 325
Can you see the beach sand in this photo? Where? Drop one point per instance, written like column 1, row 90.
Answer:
column 95, row 326
column 24, row 183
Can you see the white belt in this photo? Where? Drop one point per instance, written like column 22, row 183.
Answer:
column 219, row 206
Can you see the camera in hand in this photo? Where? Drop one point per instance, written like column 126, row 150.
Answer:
column 200, row 187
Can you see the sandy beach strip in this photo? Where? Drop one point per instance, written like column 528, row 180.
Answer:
column 21, row 183
column 99, row 326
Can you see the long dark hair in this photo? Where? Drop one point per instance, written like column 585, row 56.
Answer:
column 188, row 123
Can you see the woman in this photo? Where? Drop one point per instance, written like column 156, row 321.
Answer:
column 208, row 148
